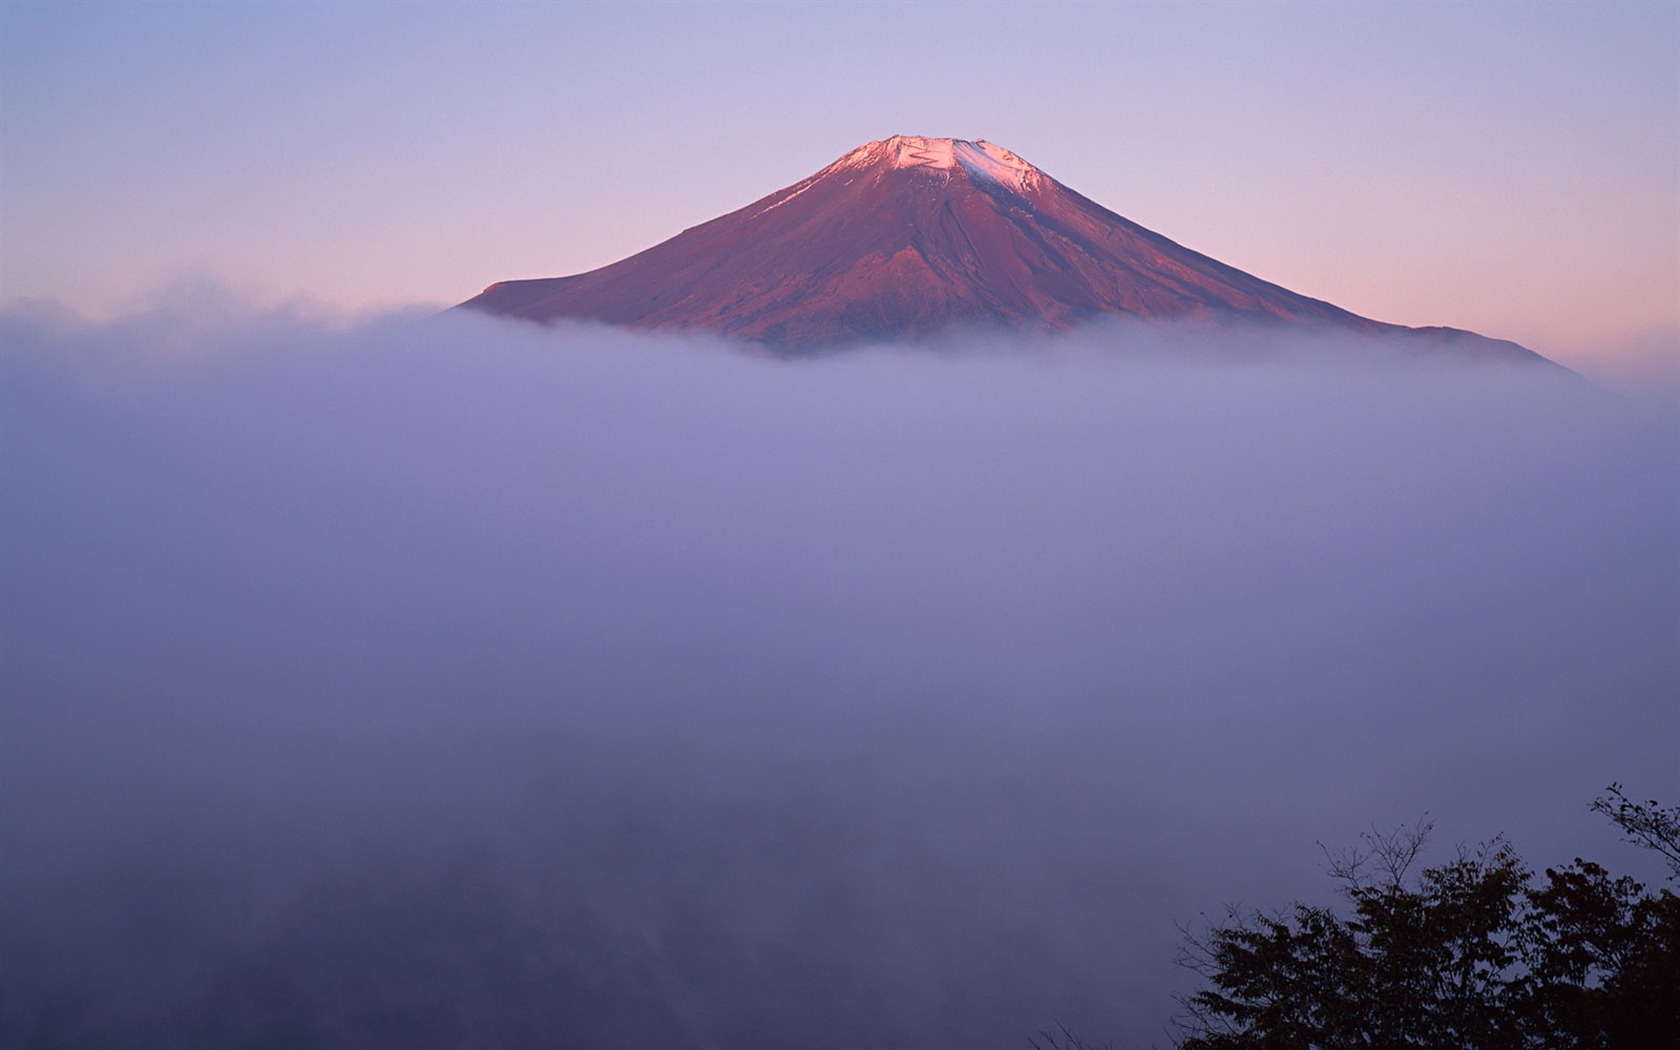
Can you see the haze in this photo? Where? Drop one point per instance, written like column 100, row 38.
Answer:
column 435, row 682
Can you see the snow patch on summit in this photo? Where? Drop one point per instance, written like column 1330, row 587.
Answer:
column 990, row 161
column 980, row 159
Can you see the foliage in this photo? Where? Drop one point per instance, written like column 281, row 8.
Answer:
column 1645, row 823
column 1475, row 953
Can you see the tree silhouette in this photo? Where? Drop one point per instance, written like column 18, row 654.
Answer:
column 1645, row 823
column 1475, row 954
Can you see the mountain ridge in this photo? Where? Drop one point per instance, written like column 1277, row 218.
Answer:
column 903, row 237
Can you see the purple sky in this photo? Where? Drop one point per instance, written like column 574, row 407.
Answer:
column 1506, row 168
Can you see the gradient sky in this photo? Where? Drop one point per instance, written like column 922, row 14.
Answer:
column 1513, row 169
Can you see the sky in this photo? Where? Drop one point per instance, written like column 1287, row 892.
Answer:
column 1512, row 168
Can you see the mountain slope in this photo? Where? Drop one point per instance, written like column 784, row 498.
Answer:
column 903, row 237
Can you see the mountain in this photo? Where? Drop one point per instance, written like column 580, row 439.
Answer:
column 901, row 238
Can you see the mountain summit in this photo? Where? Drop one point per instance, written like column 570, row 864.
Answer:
column 903, row 237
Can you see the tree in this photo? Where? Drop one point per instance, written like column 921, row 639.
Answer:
column 1644, row 823
column 1475, row 953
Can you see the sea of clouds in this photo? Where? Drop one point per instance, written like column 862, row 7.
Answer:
column 420, row 681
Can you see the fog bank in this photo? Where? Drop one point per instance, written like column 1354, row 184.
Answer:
column 451, row 682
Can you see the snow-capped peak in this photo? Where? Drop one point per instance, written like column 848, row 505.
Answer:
column 980, row 159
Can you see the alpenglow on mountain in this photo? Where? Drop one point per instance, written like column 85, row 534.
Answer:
column 905, row 237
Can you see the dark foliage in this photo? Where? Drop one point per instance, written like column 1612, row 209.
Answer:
column 1645, row 823
column 1475, row 953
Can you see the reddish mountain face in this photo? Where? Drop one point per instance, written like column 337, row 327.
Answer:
column 902, row 238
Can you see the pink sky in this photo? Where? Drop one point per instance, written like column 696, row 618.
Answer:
column 1510, row 169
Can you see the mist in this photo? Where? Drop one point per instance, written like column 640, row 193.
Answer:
column 443, row 681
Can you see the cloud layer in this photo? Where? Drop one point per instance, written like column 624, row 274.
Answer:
column 427, row 682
